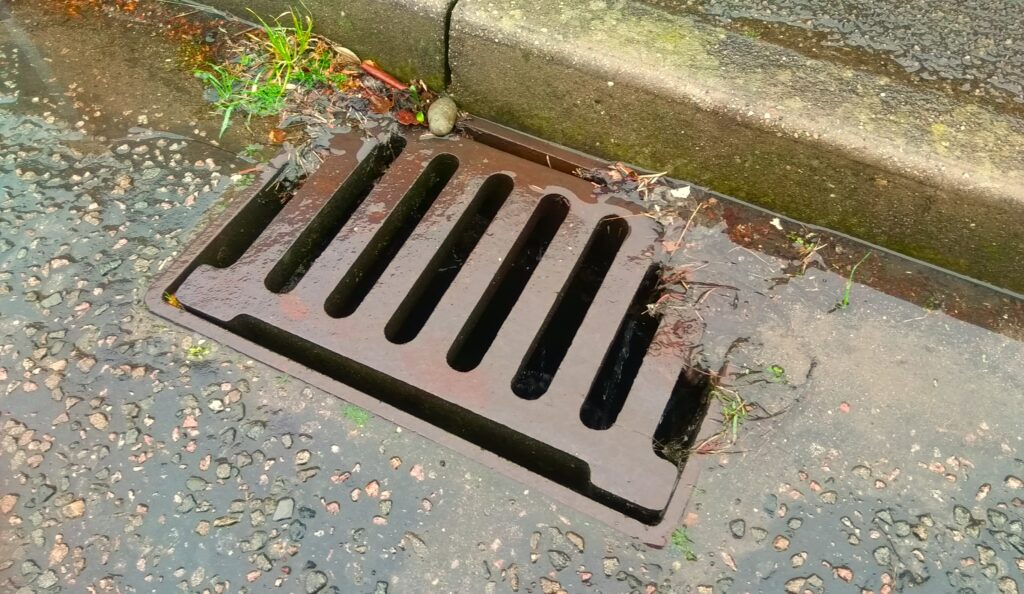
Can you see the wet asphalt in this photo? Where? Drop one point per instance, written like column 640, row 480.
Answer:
column 139, row 457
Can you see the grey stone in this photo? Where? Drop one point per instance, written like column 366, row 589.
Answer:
column 262, row 562
column 315, row 581
column 442, row 115
column 284, row 508
column 996, row 518
column 52, row 300
column 47, row 579
column 29, row 568
column 559, row 559
column 196, row 483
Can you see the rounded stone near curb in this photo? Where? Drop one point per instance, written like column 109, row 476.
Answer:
column 442, row 115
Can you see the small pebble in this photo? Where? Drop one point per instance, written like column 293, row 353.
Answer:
column 441, row 116
column 883, row 556
column 98, row 420
column 315, row 581
column 75, row 509
column 284, row 509
column 781, row 543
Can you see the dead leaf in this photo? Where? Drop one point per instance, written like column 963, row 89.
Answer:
column 276, row 136
column 406, row 117
column 626, row 171
column 354, row 82
column 172, row 300
column 344, row 55
column 729, row 561
column 380, row 104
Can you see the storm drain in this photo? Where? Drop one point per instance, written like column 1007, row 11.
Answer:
column 476, row 292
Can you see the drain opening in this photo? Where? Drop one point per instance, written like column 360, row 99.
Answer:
column 233, row 240
column 680, row 422
column 483, row 324
column 624, row 357
column 556, row 335
column 317, row 235
column 389, row 239
column 419, row 304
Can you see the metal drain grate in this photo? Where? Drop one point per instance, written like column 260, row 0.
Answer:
column 480, row 297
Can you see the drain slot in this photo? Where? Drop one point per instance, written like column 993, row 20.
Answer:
column 419, row 304
column 317, row 235
column 681, row 421
column 622, row 361
column 501, row 295
column 552, row 343
column 389, row 239
column 233, row 240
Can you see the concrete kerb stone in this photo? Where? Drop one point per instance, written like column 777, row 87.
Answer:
column 915, row 170
column 406, row 37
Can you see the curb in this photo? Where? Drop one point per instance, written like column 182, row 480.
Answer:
column 914, row 170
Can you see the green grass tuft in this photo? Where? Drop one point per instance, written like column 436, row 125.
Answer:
column 845, row 301
column 776, row 373
column 197, row 352
column 734, row 409
column 257, row 83
column 356, row 415
column 681, row 543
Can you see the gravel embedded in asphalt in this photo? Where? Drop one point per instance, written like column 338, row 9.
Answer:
column 140, row 457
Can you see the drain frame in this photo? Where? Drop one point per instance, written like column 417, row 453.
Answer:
column 655, row 532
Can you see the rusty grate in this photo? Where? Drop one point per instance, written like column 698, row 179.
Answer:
column 471, row 290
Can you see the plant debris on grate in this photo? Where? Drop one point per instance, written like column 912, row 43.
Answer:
column 475, row 291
